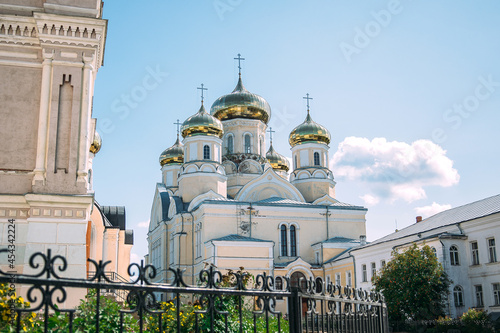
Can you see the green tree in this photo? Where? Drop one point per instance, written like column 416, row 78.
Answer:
column 414, row 285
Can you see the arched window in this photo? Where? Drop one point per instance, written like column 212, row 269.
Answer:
column 293, row 242
column 454, row 256
column 458, row 296
column 434, row 251
column 206, row 152
column 365, row 273
column 261, row 145
column 284, row 243
column 319, row 285
column 295, row 162
column 316, row 158
column 230, row 144
column 248, row 148
column 278, row 283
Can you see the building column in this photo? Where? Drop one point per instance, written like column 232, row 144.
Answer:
column 43, row 121
column 83, row 151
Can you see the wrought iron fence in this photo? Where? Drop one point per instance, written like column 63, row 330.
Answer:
column 234, row 302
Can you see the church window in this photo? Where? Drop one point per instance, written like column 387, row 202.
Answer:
column 278, row 283
column 248, row 148
column 206, row 152
column 458, row 296
column 365, row 274
column 338, row 282
column 284, row 245
column 156, row 254
column 316, row 158
column 230, row 144
column 454, row 256
column 293, row 242
column 261, row 145
column 319, row 285
column 295, row 162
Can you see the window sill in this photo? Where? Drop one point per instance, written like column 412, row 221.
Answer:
column 475, row 265
column 492, row 263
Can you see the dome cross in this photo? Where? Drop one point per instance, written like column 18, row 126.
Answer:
column 178, row 123
column 239, row 63
column 271, row 133
column 202, row 92
column 308, row 98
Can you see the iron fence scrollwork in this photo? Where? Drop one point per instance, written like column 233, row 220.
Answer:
column 319, row 307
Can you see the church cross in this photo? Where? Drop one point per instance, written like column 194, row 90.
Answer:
column 308, row 98
column 178, row 123
column 202, row 91
column 239, row 63
column 271, row 133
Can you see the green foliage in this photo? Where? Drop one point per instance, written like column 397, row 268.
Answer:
column 476, row 321
column 8, row 301
column 414, row 285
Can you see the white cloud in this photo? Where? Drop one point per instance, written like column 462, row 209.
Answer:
column 370, row 200
column 430, row 210
column 394, row 170
column 144, row 224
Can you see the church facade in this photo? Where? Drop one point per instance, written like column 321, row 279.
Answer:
column 229, row 200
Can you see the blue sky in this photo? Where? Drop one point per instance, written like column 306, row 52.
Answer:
column 410, row 91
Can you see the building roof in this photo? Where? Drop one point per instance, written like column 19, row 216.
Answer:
column 341, row 240
column 115, row 215
column 239, row 238
column 275, row 201
column 471, row 211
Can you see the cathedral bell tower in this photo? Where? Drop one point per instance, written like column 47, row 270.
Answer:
column 311, row 176
column 202, row 170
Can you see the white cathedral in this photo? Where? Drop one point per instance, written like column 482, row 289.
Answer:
column 224, row 201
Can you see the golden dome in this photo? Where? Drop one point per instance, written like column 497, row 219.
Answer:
column 241, row 104
column 202, row 123
column 277, row 161
column 173, row 155
column 96, row 144
column 309, row 131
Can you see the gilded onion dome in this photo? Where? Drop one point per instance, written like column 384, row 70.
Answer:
column 309, row 131
column 277, row 161
column 173, row 155
column 241, row 104
column 202, row 123
column 96, row 144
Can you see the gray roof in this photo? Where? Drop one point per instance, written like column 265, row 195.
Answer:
column 275, row 201
column 341, row 240
column 115, row 215
column 239, row 238
column 452, row 216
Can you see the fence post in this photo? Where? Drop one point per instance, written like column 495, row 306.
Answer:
column 294, row 311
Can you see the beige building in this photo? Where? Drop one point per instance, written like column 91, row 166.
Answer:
column 50, row 52
column 226, row 200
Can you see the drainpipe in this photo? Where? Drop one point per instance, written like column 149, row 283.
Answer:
column 327, row 214
column 354, row 269
column 251, row 219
